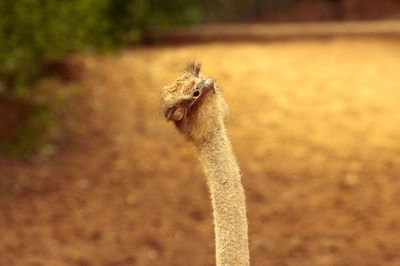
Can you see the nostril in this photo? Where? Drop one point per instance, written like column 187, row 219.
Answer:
column 196, row 94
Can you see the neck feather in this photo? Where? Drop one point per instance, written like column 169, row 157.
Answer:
column 228, row 199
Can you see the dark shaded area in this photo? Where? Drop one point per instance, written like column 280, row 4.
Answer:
column 278, row 32
column 299, row 10
column 13, row 114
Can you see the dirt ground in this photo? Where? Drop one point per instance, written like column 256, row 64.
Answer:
column 315, row 128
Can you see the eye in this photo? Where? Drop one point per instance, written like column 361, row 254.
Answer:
column 196, row 94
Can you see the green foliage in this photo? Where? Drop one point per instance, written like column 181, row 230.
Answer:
column 34, row 30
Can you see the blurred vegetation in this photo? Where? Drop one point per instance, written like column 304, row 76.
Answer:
column 35, row 33
column 32, row 31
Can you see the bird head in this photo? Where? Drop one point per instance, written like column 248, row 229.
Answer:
column 194, row 103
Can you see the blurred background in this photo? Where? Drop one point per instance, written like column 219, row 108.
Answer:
column 91, row 173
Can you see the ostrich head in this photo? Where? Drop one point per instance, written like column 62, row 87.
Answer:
column 194, row 103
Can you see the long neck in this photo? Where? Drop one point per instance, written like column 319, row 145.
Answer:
column 228, row 199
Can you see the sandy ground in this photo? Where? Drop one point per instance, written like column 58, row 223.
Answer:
column 315, row 128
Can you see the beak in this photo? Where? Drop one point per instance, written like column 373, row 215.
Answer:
column 202, row 89
column 199, row 92
column 207, row 85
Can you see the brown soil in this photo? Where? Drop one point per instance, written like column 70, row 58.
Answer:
column 315, row 128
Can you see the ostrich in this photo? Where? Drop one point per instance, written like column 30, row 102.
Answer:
column 196, row 106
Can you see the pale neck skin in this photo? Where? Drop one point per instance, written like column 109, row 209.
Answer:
column 228, row 199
